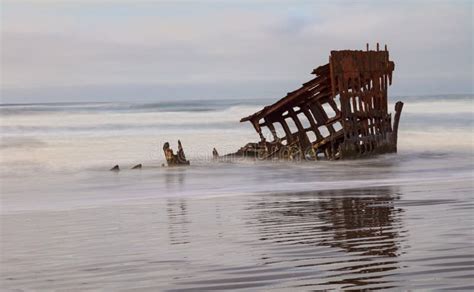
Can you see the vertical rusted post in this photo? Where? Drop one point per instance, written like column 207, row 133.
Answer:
column 308, row 115
column 301, row 132
column 333, row 82
column 289, row 136
column 258, row 129
column 272, row 129
column 396, row 120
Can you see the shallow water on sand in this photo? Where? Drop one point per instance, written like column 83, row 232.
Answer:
column 408, row 237
column 398, row 222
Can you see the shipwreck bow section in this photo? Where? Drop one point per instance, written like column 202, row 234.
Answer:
column 341, row 113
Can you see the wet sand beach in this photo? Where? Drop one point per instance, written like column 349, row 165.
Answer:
column 416, row 237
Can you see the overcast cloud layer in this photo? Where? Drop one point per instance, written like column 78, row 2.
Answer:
column 123, row 50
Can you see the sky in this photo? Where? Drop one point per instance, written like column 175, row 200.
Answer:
column 105, row 50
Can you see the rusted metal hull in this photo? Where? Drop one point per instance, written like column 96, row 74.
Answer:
column 341, row 113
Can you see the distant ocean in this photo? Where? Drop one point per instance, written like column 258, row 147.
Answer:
column 93, row 136
column 400, row 221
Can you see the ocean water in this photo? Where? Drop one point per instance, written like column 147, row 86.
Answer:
column 399, row 221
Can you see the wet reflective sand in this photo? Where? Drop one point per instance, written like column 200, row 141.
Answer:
column 407, row 237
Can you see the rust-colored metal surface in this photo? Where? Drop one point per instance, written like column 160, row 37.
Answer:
column 341, row 113
column 174, row 159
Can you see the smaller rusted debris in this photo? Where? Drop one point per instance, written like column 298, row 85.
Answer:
column 138, row 166
column 215, row 154
column 175, row 159
column 116, row 168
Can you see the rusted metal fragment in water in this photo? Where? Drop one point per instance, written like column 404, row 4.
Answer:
column 138, row 166
column 175, row 159
column 341, row 113
column 115, row 168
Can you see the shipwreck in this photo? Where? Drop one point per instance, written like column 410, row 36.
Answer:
column 341, row 113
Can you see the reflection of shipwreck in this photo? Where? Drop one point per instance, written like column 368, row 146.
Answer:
column 341, row 113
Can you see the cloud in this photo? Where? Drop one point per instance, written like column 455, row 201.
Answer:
column 103, row 43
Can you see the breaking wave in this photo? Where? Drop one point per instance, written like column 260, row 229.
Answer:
column 76, row 135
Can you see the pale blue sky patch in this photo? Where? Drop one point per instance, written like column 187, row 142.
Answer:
column 97, row 49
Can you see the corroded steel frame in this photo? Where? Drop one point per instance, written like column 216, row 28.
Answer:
column 341, row 113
